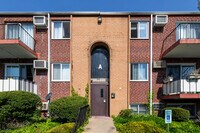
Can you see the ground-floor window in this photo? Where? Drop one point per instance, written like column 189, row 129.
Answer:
column 189, row 106
column 158, row 106
column 19, row 71
column 179, row 71
column 139, row 108
column 61, row 72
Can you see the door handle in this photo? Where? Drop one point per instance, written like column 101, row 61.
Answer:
column 104, row 100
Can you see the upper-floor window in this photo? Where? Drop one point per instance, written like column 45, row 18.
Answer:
column 22, row 31
column 139, row 71
column 188, row 30
column 61, row 72
column 139, row 30
column 61, row 29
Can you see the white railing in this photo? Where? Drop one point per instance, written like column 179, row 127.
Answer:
column 181, row 86
column 17, row 85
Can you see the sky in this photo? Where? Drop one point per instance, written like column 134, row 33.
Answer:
column 97, row 5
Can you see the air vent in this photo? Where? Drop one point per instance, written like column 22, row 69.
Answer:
column 160, row 20
column 159, row 64
column 40, row 64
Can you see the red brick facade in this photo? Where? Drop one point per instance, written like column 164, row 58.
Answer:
column 139, row 49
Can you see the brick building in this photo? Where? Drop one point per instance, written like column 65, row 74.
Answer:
column 123, row 57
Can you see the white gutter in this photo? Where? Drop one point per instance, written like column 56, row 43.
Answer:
column 151, row 57
column 49, row 53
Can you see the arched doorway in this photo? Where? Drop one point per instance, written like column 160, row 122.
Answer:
column 100, row 81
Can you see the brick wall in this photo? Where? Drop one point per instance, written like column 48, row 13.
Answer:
column 139, row 52
column 60, row 53
column 113, row 31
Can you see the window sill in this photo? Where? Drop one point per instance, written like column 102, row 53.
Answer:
column 139, row 80
column 60, row 38
column 139, row 38
column 60, row 80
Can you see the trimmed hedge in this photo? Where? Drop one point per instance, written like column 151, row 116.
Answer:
column 64, row 128
column 66, row 109
column 125, row 113
column 139, row 127
column 178, row 114
column 18, row 106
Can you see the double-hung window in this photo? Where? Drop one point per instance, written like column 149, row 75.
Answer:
column 61, row 30
column 139, row 30
column 61, row 72
column 139, row 71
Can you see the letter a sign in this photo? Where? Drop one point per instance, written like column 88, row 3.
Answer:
column 100, row 66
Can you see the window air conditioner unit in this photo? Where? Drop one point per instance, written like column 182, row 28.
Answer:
column 45, row 106
column 159, row 64
column 40, row 64
column 160, row 20
column 39, row 21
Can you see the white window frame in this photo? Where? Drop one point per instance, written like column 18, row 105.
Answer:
column 138, row 108
column 52, row 31
column 139, row 63
column 61, row 80
column 138, row 29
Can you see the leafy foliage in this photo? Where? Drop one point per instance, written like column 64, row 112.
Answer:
column 73, row 92
column 148, row 103
column 126, row 113
column 178, row 114
column 18, row 106
column 87, row 91
column 64, row 128
column 66, row 109
column 41, row 127
column 139, row 127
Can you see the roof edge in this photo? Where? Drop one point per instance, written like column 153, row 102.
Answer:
column 103, row 13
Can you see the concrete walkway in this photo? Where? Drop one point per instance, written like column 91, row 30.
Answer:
column 100, row 124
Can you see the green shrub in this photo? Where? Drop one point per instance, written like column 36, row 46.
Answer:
column 139, row 127
column 160, row 122
column 125, row 113
column 18, row 106
column 178, row 114
column 66, row 109
column 64, row 128
column 175, row 127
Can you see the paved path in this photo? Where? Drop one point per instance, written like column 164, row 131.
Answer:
column 100, row 124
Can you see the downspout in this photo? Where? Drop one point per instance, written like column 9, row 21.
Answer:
column 151, row 57
column 49, row 59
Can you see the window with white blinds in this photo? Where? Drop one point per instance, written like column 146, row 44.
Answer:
column 61, row 30
column 139, row 72
column 61, row 72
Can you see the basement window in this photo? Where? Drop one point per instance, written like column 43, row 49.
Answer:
column 61, row 30
column 139, row 108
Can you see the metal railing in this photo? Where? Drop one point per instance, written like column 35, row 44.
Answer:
column 17, row 84
column 181, row 86
column 81, row 118
column 182, row 31
column 17, row 31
